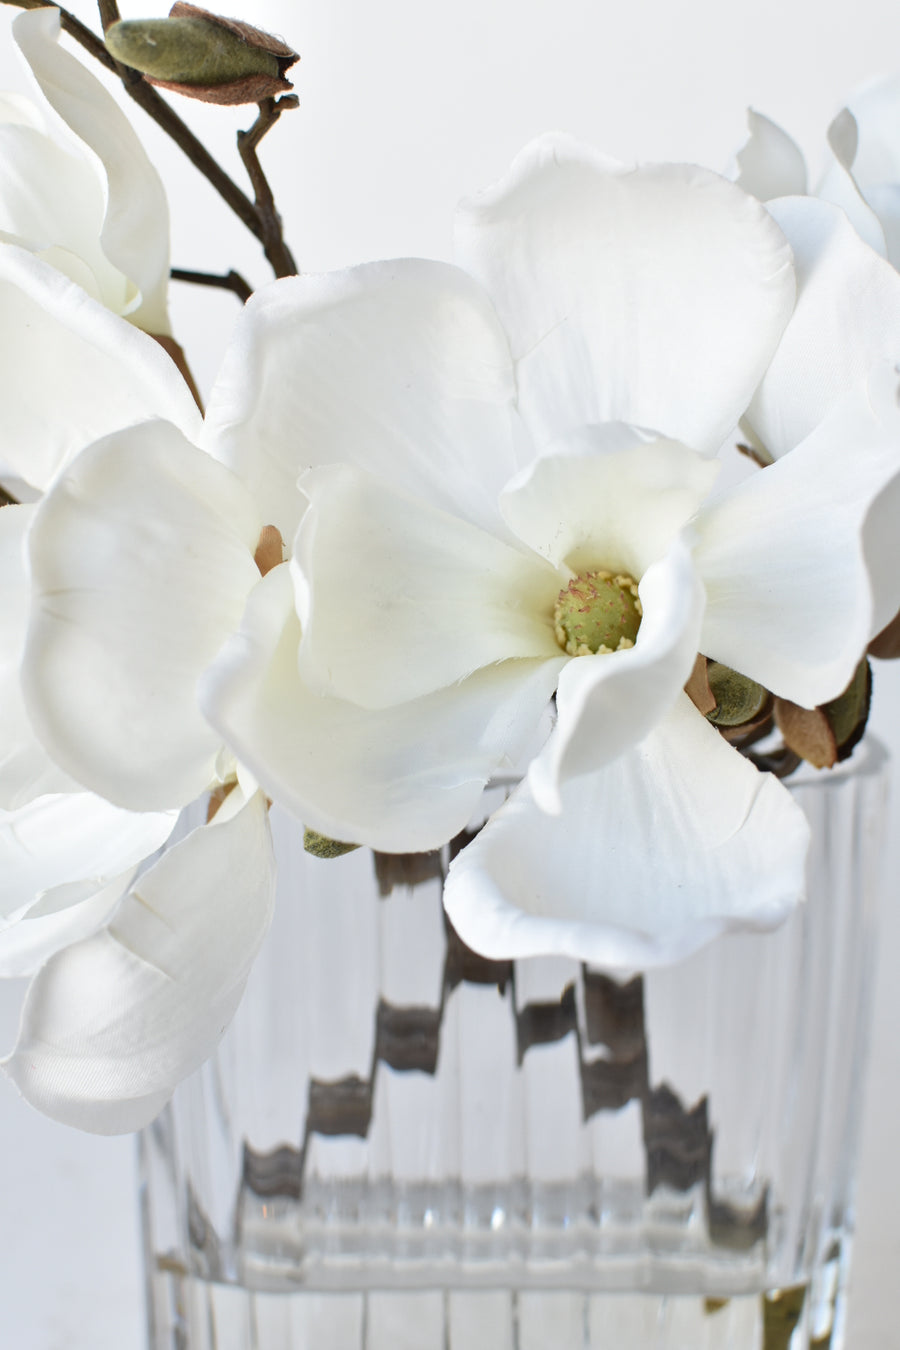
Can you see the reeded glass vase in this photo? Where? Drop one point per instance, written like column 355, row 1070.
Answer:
column 402, row 1146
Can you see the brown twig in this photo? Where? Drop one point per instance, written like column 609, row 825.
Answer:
column 229, row 281
column 109, row 12
column 276, row 250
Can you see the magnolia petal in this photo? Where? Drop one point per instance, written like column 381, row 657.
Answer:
column 49, row 198
column 607, row 498
column 400, row 368
column 112, row 1024
column 800, row 560
column 401, row 599
column 106, row 373
column 770, row 164
column 60, row 849
column 876, row 164
column 677, row 841
column 839, row 185
column 142, row 558
column 654, row 296
column 30, row 941
column 17, row 110
column 26, row 770
column 608, row 703
column 403, row 779
column 135, row 231
column 846, row 320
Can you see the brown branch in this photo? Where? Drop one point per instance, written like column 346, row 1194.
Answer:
column 276, row 250
column 230, row 281
column 109, row 12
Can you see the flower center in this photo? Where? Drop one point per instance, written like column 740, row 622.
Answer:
column 598, row 612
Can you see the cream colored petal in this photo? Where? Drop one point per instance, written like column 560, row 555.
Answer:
column 113, row 1023
column 142, row 559
column 401, row 778
column 675, row 842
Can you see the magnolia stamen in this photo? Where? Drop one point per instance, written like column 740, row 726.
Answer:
column 598, row 613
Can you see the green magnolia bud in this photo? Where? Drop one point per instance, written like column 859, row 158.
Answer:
column 203, row 55
column 738, row 699
column 320, row 846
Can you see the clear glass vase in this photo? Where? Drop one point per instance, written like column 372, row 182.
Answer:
column 402, row 1145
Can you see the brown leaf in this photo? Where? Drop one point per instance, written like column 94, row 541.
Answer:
column 697, row 687
column 270, row 549
column 886, row 646
column 251, row 89
column 808, row 732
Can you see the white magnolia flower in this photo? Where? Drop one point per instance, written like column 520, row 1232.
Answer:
column 113, row 1021
column 82, row 194
column 137, row 971
column 466, row 473
column 846, row 245
column 83, row 241
column 862, row 174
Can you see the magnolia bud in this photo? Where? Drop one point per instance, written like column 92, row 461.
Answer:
column 738, row 699
column 203, row 55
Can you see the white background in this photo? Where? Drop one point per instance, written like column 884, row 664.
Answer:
column 407, row 105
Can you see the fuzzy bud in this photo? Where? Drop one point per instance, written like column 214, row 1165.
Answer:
column 203, row 55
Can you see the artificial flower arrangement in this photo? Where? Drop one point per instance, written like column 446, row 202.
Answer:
column 436, row 524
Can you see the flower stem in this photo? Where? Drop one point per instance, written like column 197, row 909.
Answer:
column 229, row 281
column 277, row 251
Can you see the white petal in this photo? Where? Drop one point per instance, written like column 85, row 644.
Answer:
column 17, row 110
column 606, row 498
column 105, row 373
column 113, row 1023
column 876, row 165
column 770, row 164
column 26, row 770
column 405, row 778
column 839, row 184
column 28, row 942
column 62, row 848
column 667, row 847
column 785, row 557
column 50, row 198
column 846, row 320
column 607, row 703
column 135, row 232
column 654, row 296
column 401, row 368
column 142, row 558
column 401, row 599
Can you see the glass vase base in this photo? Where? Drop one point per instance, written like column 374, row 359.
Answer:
column 193, row 1314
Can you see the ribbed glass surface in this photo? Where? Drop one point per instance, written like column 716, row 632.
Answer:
column 401, row 1144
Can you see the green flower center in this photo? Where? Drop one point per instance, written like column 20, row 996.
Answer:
column 598, row 612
